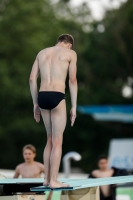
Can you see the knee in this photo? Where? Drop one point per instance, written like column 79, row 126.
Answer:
column 49, row 140
column 56, row 141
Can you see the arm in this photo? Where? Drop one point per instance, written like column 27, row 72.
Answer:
column 42, row 168
column 16, row 175
column 33, row 89
column 91, row 175
column 73, row 86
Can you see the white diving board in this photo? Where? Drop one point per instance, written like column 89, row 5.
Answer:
column 20, row 180
column 4, row 181
column 86, row 183
column 80, row 189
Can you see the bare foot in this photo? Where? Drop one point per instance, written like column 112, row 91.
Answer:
column 57, row 184
column 46, row 183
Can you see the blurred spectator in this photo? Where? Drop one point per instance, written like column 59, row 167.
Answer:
column 107, row 192
column 30, row 168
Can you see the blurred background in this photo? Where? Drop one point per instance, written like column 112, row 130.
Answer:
column 103, row 32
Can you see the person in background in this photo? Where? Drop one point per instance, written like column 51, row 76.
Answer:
column 107, row 192
column 30, row 168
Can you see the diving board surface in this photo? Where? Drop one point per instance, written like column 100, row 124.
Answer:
column 28, row 180
column 80, row 189
column 86, row 183
column 20, row 180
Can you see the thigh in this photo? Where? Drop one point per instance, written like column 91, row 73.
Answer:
column 58, row 119
column 46, row 115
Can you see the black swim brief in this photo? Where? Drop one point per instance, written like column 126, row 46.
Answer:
column 49, row 99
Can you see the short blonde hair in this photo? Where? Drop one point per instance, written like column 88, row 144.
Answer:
column 29, row 146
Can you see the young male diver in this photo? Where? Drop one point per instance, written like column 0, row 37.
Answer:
column 53, row 64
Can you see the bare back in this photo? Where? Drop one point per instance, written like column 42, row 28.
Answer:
column 53, row 66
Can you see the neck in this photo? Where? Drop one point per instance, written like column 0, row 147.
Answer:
column 103, row 170
column 29, row 162
column 62, row 44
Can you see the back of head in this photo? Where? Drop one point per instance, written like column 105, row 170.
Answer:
column 66, row 38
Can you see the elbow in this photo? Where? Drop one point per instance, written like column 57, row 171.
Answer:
column 73, row 81
column 31, row 79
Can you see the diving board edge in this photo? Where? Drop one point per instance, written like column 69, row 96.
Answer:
column 86, row 183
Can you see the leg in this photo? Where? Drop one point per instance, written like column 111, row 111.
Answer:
column 58, row 119
column 46, row 115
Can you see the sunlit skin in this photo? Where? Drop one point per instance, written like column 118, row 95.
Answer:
column 103, row 172
column 53, row 64
column 30, row 168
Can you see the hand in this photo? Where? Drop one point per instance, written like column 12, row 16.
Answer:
column 72, row 115
column 36, row 113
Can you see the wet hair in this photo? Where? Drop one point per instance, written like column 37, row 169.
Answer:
column 102, row 157
column 66, row 38
column 30, row 147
